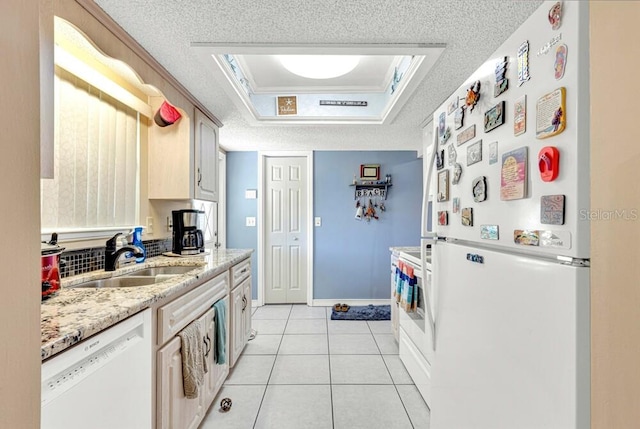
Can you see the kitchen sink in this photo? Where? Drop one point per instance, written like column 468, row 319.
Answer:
column 128, row 281
column 156, row 271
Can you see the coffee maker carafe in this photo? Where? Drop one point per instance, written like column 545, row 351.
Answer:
column 187, row 237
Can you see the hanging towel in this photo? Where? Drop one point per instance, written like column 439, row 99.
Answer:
column 192, row 359
column 220, row 352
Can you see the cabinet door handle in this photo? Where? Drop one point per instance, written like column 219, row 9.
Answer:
column 244, row 270
column 199, row 176
column 244, row 301
column 207, row 345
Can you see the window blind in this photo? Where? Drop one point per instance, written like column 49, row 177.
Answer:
column 96, row 160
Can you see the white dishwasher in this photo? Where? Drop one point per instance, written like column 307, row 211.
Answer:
column 103, row 382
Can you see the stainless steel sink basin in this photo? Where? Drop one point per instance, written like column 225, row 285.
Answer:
column 156, row 271
column 129, row 281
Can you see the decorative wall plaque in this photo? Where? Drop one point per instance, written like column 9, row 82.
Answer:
column 287, row 106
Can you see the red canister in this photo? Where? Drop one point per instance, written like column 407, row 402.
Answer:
column 50, row 277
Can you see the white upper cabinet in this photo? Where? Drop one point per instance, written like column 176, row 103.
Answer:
column 206, row 158
column 183, row 158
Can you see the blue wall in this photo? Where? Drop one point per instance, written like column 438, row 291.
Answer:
column 242, row 174
column 351, row 258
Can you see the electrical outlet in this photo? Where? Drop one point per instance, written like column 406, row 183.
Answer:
column 318, row 221
column 149, row 225
column 251, row 221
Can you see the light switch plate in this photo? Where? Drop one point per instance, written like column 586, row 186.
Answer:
column 318, row 221
column 250, row 221
column 251, row 194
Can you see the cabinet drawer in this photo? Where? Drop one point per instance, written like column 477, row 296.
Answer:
column 173, row 317
column 239, row 272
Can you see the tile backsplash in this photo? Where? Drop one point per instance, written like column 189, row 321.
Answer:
column 82, row 261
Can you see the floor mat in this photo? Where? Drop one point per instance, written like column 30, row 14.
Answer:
column 368, row 312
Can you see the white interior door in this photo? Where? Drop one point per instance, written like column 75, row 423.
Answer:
column 286, row 230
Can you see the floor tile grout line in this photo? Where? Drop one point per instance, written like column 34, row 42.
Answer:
column 333, row 417
column 255, row 421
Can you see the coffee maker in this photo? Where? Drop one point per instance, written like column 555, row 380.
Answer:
column 187, row 237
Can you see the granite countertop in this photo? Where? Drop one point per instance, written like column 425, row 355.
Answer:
column 74, row 314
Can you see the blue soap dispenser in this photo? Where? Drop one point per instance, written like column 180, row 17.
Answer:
column 137, row 241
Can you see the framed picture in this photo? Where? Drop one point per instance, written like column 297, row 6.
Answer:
column 286, row 105
column 370, row 171
column 443, row 186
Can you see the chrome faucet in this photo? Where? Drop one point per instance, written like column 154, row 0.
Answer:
column 113, row 252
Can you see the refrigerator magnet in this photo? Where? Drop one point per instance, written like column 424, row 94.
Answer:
column 474, row 153
column 467, row 135
column 523, row 63
column 456, row 205
column 526, row 237
column 453, row 105
column 457, row 173
column 440, row 159
column 493, row 153
column 467, row 216
column 443, row 218
column 473, row 95
column 520, row 116
column 452, row 155
column 480, row 189
column 502, row 83
column 458, row 118
column 560, row 62
column 552, row 209
column 555, row 16
column 549, row 163
column 443, row 186
column 551, row 114
column 494, row 117
column 489, row 232
column 445, row 137
column 513, row 174
column 441, row 123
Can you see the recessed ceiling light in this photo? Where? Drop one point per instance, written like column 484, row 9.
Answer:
column 319, row 66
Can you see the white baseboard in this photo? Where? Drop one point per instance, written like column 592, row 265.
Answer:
column 352, row 302
column 331, row 302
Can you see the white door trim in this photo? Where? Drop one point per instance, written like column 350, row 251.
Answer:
column 262, row 155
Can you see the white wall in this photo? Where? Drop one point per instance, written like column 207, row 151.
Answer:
column 20, row 216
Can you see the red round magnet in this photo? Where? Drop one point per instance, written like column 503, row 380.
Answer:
column 549, row 163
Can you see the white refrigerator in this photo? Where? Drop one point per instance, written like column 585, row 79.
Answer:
column 510, row 292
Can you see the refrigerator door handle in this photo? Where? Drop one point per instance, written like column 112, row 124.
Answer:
column 427, row 188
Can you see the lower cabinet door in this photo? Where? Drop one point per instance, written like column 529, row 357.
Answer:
column 236, row 328
column 216, row 375
column 174, row 410
column 246, row 286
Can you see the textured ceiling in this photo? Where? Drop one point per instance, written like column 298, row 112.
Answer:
column 471, row 30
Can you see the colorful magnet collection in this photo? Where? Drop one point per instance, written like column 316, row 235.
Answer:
column 550, row 121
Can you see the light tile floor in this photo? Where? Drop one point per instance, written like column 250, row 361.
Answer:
column 304, row 370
